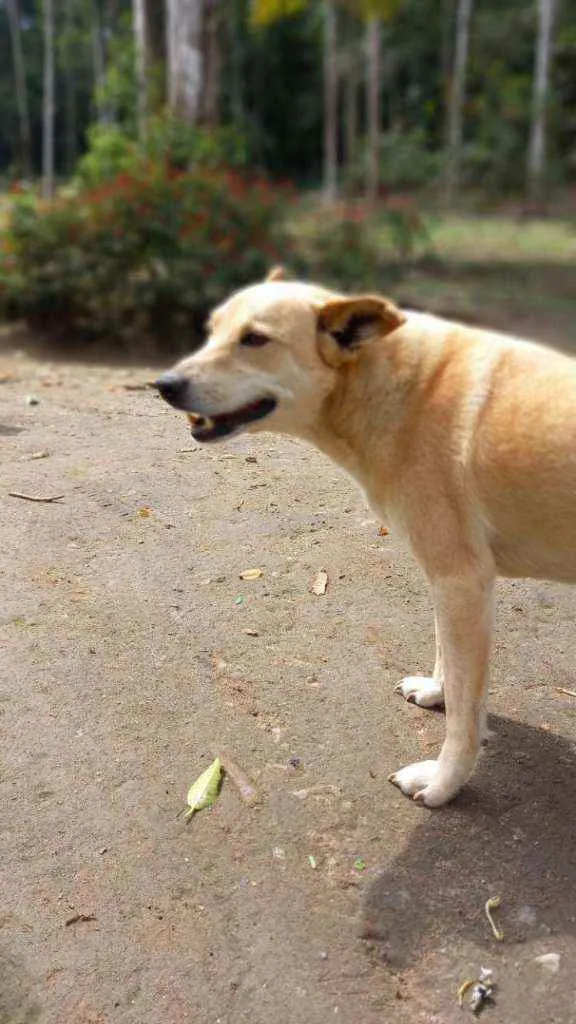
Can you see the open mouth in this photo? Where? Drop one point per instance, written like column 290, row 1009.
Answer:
column 212, row 428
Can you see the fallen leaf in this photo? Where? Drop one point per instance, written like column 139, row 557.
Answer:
column 383, row 531
column 251, row 574
column 145, row 512
column 34, row 456
column 204, row 791
column 320, row 583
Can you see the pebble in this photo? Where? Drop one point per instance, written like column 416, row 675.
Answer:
column 549, row 962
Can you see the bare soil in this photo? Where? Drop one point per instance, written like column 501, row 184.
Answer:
column 132, row 651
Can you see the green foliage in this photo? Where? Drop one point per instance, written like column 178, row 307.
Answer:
column 144, row 255
column 110, row 152
column 407, row 162
column 113, row 150
column 265, row 12
column 352, row 246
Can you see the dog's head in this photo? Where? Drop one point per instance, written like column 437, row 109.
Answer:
column 272, row 356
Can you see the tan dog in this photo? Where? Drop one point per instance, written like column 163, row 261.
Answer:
column 464, row 439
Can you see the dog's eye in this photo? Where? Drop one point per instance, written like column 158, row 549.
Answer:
column 252, row 339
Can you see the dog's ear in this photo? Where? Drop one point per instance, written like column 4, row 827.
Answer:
column 351, row 322
column 276, row 274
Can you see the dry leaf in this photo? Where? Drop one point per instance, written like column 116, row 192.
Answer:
column 204, row 791
column 251, row 574
column 383, row 531
column 145, row 512
column 320, row 583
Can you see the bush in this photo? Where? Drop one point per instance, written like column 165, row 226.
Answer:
column 144, row 255
column 407, row 162
column 354, row 246
column 112, row 150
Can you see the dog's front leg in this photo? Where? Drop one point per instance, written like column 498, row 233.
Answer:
column 464, row 620
column 426, row 691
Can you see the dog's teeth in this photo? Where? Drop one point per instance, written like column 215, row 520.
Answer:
column 195, row 420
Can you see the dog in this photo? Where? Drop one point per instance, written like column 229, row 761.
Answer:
column 464, row 439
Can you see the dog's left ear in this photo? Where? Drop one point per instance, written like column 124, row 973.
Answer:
column 351, row 322
column 276, row 274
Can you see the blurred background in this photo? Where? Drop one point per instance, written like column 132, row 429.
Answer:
column 156, row 154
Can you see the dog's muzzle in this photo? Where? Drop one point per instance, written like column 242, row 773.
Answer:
column 174, row 389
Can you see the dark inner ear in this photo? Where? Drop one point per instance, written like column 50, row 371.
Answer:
column 355, row 330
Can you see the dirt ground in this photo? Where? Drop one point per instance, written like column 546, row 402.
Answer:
column 132, row 651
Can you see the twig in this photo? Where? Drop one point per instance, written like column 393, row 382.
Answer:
column 247, row 790
column 79, row 917
column 490, row 905
column 36, row 497
column 569, row 693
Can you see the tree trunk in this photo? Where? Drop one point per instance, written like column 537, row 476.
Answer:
column 70, row 107
column 537, row 146
column 13, row 11
column 184, row 30
column 49, row 102
column 456, row 102
column 374, row 68
column 209, row 108
column 236, row 63
column 149, row 57
column 103, row 113
column 330, row 160
column 351, row 111
column 446, row 63
column 141, row 31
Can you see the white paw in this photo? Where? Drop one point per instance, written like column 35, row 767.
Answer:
column 426, row 784
column 414, row 777
column 422, row 690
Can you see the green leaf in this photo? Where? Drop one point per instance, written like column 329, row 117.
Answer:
column 204, row 791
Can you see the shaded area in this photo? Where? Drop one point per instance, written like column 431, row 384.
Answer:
column 504, row 834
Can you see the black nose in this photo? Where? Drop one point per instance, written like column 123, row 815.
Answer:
column 172, row 387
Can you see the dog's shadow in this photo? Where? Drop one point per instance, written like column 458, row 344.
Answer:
column 510, row 833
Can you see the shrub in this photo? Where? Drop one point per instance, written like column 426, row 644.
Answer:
column 352, row 246
column 145, row 254
column 112, row 150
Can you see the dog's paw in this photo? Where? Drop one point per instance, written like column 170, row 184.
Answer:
column 422, row 690
column 426, row 784
column 414, row 777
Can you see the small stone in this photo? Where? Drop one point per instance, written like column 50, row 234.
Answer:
column 549, row 962
column 32, row 400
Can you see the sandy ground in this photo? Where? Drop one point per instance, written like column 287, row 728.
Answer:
column 132, row 651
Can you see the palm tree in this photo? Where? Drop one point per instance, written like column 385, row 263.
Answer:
column 456, row 98
column 540, row 91
column 13, row 11
column 49, row 102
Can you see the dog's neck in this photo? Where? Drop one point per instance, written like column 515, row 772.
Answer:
column 370, row 395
